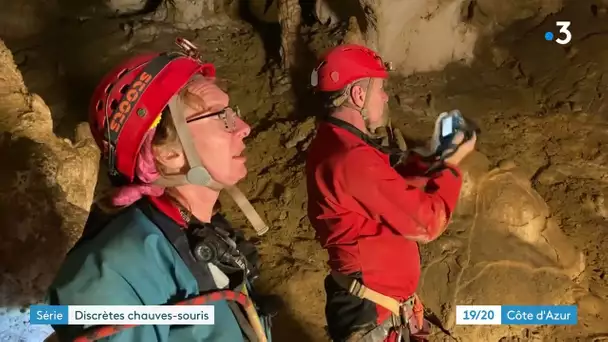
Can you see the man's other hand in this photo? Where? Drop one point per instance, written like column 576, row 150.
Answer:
column 463, row 150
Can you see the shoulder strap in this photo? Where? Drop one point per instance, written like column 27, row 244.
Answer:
column 395, row 155
column 357, row 132
column 201, row 272
column 179, row 240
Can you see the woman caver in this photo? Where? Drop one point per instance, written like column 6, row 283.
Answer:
column 171, row 141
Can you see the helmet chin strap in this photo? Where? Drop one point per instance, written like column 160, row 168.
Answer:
column 198, row 174
column 363, row 110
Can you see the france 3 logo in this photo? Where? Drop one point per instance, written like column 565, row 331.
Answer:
column 564, row 34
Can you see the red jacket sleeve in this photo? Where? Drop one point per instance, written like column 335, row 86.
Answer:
column 412, row 166
column 420, row 213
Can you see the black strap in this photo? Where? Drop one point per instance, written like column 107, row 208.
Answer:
column 246, row 328
column 357, row 132
column 432, row 318
column 395, row 155
column 98, row 220
column 179, row 240
column 201, row 272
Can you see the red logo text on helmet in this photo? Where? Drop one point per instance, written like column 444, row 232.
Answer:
column 129, row 102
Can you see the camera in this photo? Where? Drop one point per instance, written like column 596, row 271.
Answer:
column 450, row 124
column 214, row 245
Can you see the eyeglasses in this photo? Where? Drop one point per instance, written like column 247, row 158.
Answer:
column 228, row 114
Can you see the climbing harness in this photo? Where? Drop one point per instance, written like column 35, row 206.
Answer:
column 409, row 318
column 406, row 316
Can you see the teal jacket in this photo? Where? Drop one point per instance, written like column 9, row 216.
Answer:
column 130, row 262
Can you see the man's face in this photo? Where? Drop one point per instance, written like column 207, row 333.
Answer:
column 376, row 101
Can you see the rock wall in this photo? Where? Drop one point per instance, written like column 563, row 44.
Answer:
column 501, row 231
column 416, row 35
column 423, row 35
column 195, row 14
column 46, row 189
column 21, row 20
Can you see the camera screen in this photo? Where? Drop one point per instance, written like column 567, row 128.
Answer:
column 446, row 126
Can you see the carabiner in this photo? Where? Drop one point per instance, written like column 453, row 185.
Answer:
column 189, row 48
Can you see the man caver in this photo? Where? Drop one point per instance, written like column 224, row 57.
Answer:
column 368, row 213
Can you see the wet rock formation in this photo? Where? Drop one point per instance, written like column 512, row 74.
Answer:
column 421, row 35
column 46, row 189
column 502, row 247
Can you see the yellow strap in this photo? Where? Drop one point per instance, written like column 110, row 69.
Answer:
column 254, row 318
column 252, row 215
column 356, row 288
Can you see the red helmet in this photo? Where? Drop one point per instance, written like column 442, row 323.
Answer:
column 345, row 64
column 130, row 100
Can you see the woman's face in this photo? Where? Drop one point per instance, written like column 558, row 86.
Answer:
column 217, row 131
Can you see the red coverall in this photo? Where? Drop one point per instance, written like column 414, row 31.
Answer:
column 370, row 216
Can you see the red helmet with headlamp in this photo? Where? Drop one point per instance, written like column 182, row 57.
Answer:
column 345, row 64
column 130, row 99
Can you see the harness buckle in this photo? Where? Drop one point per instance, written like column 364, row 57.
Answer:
column 399, row 326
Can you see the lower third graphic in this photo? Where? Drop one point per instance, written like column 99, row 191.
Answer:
column 516, row 315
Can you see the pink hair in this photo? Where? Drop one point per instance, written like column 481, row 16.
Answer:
column 146, row 173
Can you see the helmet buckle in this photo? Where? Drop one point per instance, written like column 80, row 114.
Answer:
column 198, row 175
